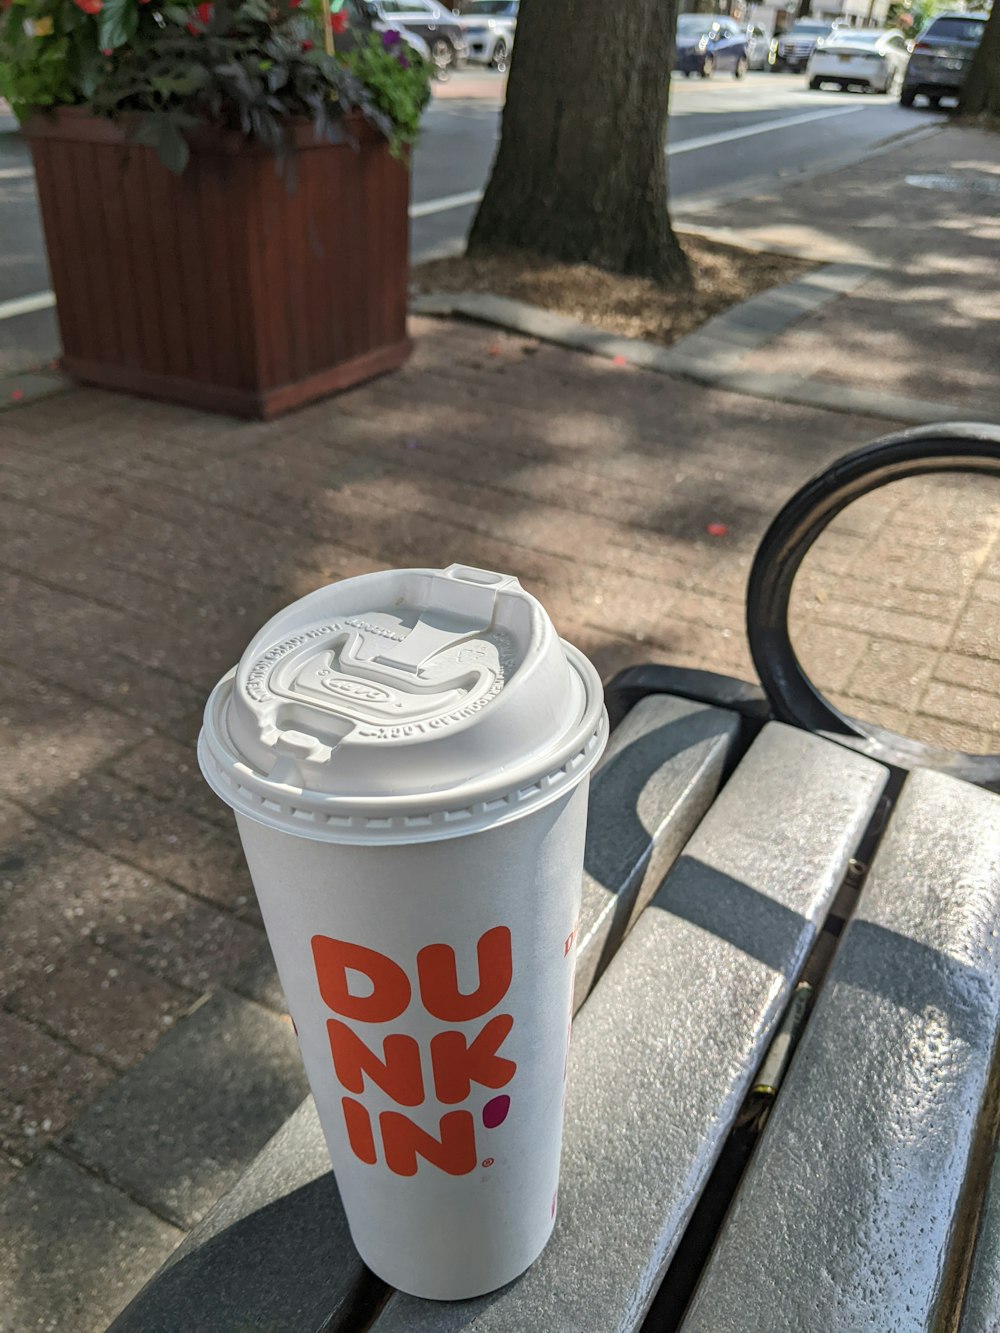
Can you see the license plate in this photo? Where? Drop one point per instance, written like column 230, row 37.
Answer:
column 953, row 64
column 843, row 59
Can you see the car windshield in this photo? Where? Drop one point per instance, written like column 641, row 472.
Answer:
column 694, row 25
column 810, row 29
column 957, row 29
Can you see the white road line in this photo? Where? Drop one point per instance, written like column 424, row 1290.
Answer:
column 685, row 146
column 16, row 173
column 24, row 305
column 762, row 127
column 43, row 300
column 443, row 205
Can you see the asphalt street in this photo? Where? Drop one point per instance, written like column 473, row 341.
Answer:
column 727, row 139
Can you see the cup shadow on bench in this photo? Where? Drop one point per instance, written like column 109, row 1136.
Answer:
column 271, row 1270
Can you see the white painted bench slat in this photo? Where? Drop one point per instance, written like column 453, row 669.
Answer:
column 846, row 1214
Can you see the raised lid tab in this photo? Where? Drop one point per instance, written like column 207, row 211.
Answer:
column 409, row 696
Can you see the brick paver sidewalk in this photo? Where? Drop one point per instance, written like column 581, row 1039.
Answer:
column 926, row 323
column 144, row 544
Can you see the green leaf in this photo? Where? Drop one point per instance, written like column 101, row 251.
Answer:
column 172, row 147
column 258, row 11
column 89, row 74
column 180, row 83
column 277, row 77
column 163, row 133
column 117, row 23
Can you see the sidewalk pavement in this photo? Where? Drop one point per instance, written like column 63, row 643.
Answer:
column 145, row 543
column 927, row 216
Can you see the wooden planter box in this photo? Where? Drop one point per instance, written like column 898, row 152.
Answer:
column 222, row 288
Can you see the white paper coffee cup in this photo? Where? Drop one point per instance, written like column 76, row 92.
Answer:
column 408, row 756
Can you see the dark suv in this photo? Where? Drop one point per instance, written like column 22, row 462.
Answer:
column 791, row 50
column 941, row 57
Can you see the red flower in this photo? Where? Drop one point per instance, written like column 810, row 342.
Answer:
column 107, row 51
column 307, row 45
column 294, row 4
column 90, row 6
column 338, row 21
column 204, row 18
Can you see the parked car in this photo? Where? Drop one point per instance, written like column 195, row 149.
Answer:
column 941, row 57
column 791, row 50
column 758, row 44
column 430, row 21
column 706, row 43
column 489, row 26
column 865, row 58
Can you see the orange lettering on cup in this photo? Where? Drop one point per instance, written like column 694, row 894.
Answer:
column 457, row 1063
column 359, row 1130
column 335, row 958
column 438, row 976
column 398, row 1073
column 454, row 1152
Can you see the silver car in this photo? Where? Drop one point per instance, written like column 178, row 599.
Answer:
column 488, row 26
column 758, row 43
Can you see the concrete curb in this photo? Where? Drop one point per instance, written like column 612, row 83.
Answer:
column 711, row 355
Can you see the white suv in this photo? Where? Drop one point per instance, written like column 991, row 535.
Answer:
column 489, row 31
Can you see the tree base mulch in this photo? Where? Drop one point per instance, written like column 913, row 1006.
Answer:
column 722, row 276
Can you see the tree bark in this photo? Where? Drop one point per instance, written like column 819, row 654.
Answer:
column 980, row 94
column 581, row 171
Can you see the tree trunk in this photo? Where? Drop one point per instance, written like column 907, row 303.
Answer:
column 581, row 171
column 981, row 92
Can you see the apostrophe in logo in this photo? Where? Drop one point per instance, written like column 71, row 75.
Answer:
column 456, row 1064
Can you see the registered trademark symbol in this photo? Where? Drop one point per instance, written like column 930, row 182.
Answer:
column 488, row 1161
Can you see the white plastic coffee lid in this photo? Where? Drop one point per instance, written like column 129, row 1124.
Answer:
column 403, row 706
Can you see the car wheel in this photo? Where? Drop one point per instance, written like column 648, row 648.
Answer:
column 742, row 65
column 815, row 83
column 906, row 97
column 442, row 58
column 499, row 61
column 708, row 67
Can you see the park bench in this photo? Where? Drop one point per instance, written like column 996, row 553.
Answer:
column 783, row 1093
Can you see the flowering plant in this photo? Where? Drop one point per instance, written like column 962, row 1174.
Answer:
column 250, row 65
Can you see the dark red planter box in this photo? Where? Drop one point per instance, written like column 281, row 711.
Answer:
column 222, row 288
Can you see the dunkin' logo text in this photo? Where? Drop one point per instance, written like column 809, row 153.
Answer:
column 450, row 1067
